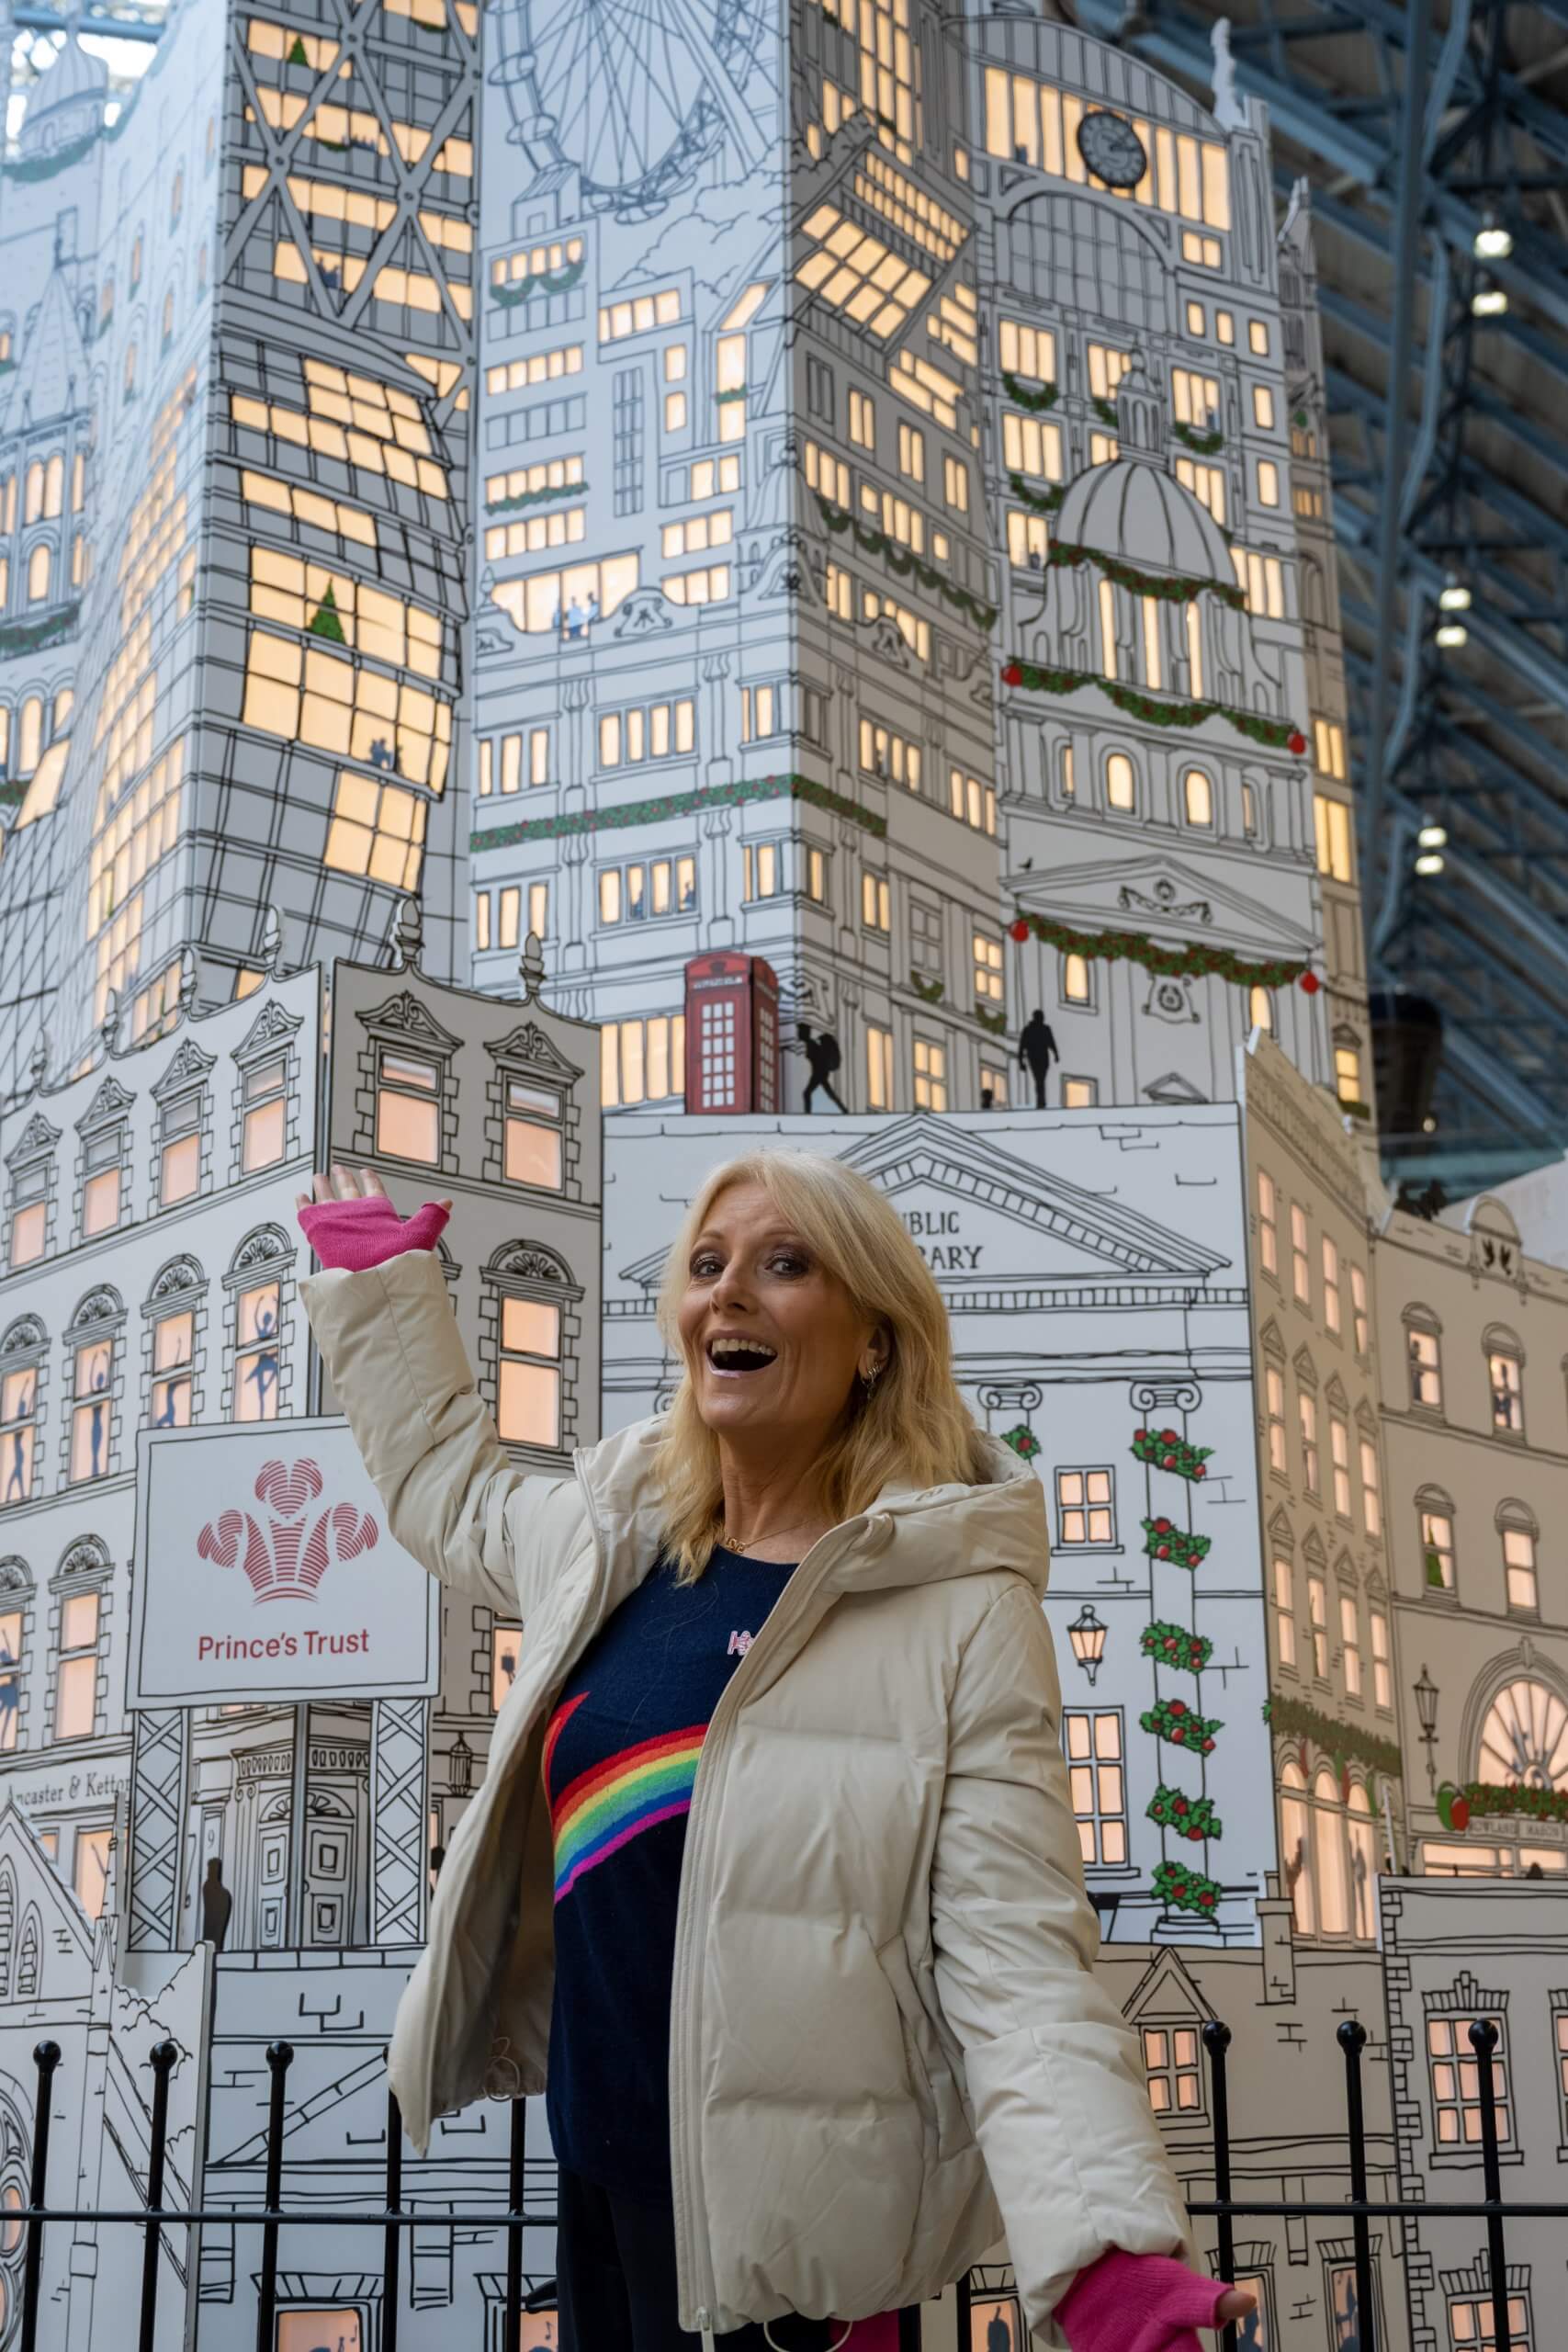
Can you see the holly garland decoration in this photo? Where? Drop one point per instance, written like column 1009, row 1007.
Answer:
column 1192, row 1817
column 1203, row 443
column 1174, row 1720
column 902, row 561
column 1168, row 1449
column 1165, row 1541
column 1046, row 397
column 536, row 497
column 1024, row 1442
column 1043, row 502
column 1171, row 587
column 1197, row 962
column 679, row 804
column 1274, row 734
column 1181, row 1889
column 1174, row 1646
column 559, row 281
column 1511, row 1797
column 1106, row 411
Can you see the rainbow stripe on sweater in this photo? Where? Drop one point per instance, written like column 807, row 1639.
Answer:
column 603, row 1809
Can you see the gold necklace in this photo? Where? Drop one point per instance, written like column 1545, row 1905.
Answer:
column 770, row 1535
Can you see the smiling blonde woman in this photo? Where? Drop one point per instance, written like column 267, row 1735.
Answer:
column 771, row 1885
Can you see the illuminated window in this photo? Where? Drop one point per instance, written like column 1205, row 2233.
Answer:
column 878, row 1067
column 1383, row 1679
column 1359, row 1308
column 407, row 1106
column 658, row 730
column 256, row 1326
column 180, row 1148
column 1330, row 1253
column 505, row 1646
column 857, row 274
column 661, row 885
column 174, row 1350
column 534, row 1135
column 618, row 320
column 1267, row 1222
column 761, row 713
column 970, row 800
column 1258, row 337
column 1301, row 1265
column 38, row 567
column 912, row 452
column 1318, row 1621
column 1306, row 1409
column 1333, row 823
column 1027, row 351
column 1108, row 658
column 540, row 367
column 376, row 830
column 1106, row 370
column 1339, row 1447
column 1274, row 1415
column 1086, row 1511
column 77, row 1687
column 511, row 915
column 1263, row 407
column 568, row 603
column 1207, row 484
column 1091, row 1741
column 1472, row 2321
column 1267, row 483
column 1032, row 445
column 930, row 1075
column 1423, row 1351
column 863, row 420
column 1284, row 1609
column 344, row 611
column 90, row 1869
column 481, row 920
column 827, row 474
column 103, row 1156
column 1455, row 2079
column 29, row 1199
column 761, row 870
column 1119, row 790
column 889, row 755
column 1260, row 1008
column 92, row 1371
column 18, row 1432
column 13, row 1665
column 1196, row 400
column 1505, row 1369
column 1173, row 2069
column 1198, row 797
column 1347, row 1073
column 1075, row 985
column 308, row 506
column 1328, row 745
column 697, row 533
column 987, row 966
column 1350, row 1644
column 875, row 904
column 642, row 1062
column 1518, row 1533
column 1436, row 1530
column 1079, row 1094
column 708, row 586
column 30, row 744
column 955, row 484
column 1372, row 1505
column 265, row 1096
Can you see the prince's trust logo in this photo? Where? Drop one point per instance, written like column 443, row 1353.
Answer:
column 289, row 1560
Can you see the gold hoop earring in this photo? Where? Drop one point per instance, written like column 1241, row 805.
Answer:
column 869, row 1380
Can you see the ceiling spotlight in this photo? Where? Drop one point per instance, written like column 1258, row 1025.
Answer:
column 1488, row 302
column 1428, row 1126
column 1450, row 633
column 1431, row 864
column 1432, row 836
column 1493, row 241
column 1454, row 595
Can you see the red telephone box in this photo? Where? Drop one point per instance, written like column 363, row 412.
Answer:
column 732, row 1032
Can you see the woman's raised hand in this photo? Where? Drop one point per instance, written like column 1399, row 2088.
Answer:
column 351, row 1223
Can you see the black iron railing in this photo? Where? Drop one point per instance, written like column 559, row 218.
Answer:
column 393, row 2217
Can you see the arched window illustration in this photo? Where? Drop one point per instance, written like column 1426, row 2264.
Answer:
column 255, row 1280
column 1423, row 1350
column 90, row 1341
column 1520, row 1533
column 1524, row 1737
column 1197, row 798
column 1363, row 1863
column 22, row 1353
column 1121, row 788
column 534, row 1290
column 16, row 1595
column 79, row 1586
column 7, row 1930
column 33, row 495
column 1505, row 1377
column 54, row 485
column 171, row 1310
column 29, row 735
column 27, row 1958
column 1328, row 1840
column 1295, row 1846
column 1259, row 1008
column 1435, row 1524
column 40, row 565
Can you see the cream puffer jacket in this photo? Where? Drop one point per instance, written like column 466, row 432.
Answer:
column 886, row 2046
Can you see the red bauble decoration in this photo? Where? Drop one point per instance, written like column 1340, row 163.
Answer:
column 1208, row 1747
column 1168, row 1461
column 1167, row 1437
column 1018, row 931
column 1140, row 1433
column 1296, row 742
column 1207, row 1901
column 1310, row 984
column 1162, row 1527
column 1179, row 1706
column 1162, row 1552
column 1197, row 1469
column 1458, row 1815
column 1194, row 1833
column 1012, row 675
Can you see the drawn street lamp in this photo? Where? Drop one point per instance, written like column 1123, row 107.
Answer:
column 1426, row 1709
column 1087, row 1634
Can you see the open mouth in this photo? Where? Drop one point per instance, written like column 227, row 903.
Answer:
column 739, row 1355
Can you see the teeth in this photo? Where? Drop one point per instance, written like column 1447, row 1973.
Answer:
column 735, row 1349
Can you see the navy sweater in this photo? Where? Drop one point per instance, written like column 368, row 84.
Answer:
column 620, row 1759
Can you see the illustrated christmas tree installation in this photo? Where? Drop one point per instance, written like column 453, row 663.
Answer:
column 1183, row 1811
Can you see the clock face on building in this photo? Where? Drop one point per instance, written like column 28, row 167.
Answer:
column 1112, row 150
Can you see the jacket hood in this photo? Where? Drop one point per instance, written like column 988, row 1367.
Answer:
column 911, row 1534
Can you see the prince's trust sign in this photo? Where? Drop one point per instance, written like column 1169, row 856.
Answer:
column 264, row 1569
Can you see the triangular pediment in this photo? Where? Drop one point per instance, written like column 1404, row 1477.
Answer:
column 1162, row 896
column 1006, row 1201
column 528, row 1045
column 39, row 1887
column 1167, row 1989
column 36, row 1138
column 111, row 1102
column 404, row 1015
column 1173, row 1088
column 189, row 1066
column 273, row 1025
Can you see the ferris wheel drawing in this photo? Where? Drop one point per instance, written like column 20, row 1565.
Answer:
column 633, row 94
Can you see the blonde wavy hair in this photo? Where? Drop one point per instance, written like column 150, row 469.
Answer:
column 914, row 1427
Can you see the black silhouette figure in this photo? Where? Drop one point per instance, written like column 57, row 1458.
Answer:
column 1534, row 1870
column 437, row 1856
column 822, row 1054
column 1348, row 2323
column 217, row 1903
column 1037, row 1047
column 988, row 1096
column 998, row 2334
column 1250, row 2338
column 1294, row 1866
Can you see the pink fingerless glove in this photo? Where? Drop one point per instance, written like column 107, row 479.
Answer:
column 367, row 1230
column 1138, row 2302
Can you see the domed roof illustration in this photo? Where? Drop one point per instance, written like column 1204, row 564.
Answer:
column 1136, row 510
column 76, row 79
